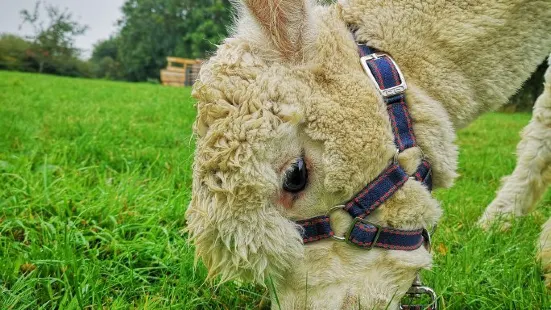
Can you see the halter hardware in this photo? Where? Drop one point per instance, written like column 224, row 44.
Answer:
column 386, row 92
column 390, row 82
column 416, row 291
column 364, row 221
column 338, row 238
column 346, row 237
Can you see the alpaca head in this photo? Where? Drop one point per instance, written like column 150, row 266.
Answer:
column 288, row 126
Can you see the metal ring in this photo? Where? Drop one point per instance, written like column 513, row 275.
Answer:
column 339, row 238
column 428, row 240
column 396, row 156
column 333, row 209
column 416, row 292
column 423, row 156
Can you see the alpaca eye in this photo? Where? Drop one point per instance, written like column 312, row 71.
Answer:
column 296, row 177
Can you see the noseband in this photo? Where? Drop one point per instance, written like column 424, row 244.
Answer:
column 390, row 82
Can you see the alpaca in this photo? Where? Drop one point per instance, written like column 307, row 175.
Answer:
column 522, row 190
column 289, row 126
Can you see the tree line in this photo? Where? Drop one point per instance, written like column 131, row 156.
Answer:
column 148, row 32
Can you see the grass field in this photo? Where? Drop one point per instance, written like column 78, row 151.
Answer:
column 95, row 180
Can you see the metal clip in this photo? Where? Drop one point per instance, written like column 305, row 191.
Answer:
column 417, row 290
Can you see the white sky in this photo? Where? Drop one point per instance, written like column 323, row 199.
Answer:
column 100, row 16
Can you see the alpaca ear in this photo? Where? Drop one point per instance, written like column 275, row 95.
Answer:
column 283, row 21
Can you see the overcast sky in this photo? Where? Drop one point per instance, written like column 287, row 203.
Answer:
column 99, row 15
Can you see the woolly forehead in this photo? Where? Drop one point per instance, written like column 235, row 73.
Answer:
column 241, row 108
column 251, row 114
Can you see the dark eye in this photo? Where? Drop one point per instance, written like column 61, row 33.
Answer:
column 296, row 177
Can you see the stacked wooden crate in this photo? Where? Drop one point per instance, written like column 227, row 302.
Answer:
column 180, row 71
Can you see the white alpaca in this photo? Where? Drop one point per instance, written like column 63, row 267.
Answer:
column 287, row 90
column 530, row 179
column 522, row 190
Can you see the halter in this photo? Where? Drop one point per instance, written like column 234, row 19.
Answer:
column 390, row 82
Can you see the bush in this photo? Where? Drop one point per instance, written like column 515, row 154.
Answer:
column 13, row 53
column 68, row 66
column 17, row 54
column 107, row 68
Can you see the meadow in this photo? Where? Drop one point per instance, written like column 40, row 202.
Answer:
column 95, row 180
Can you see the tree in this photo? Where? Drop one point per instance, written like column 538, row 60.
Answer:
column 208, row 22
column 106, row 48
column 56, row 39
column 105, row 61
column 151, row 30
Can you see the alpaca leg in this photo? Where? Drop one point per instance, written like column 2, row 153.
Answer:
column 544, row 251
column 522, row 190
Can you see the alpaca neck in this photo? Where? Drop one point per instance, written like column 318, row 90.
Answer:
column 470, row 57
column 459, row 60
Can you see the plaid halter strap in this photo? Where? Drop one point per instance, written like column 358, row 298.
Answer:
column 390, row 82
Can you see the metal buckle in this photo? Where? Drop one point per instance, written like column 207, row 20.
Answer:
column 375, row 239
column 346, row 236
column 389, row 92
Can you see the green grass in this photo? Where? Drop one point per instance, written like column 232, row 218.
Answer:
column 475, row 269
column 94, row 182
column 95, row 179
